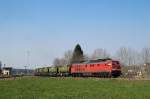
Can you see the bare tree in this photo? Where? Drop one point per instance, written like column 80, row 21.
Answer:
column 86, row 57
column 56, row 62
column 62, row 62
column 134, row 56
column 122, row 55
column 128, row 56
column 65, row 60
column 59, row 62
column 100, row 53
column 145, row 55
column 68, row 56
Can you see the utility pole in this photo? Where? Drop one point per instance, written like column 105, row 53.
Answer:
column 25, row 70
column 28, row 63
column 28, row 55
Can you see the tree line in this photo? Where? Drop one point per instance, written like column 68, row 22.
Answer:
column 126, row 56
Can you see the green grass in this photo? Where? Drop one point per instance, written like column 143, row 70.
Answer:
column 70, row 88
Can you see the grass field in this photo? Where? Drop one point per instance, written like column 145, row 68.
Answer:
column 71, row 88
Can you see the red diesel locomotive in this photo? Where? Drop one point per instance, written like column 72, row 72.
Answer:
column 96, row 68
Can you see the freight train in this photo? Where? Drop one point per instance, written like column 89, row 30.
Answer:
column 90, row 68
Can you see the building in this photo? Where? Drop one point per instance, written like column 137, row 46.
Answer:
column 7, row 71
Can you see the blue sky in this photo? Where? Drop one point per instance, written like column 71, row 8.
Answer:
column 47, row 28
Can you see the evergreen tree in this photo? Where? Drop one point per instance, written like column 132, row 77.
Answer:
column 77, row 54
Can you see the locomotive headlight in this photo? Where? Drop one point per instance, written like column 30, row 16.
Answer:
column 109, row 64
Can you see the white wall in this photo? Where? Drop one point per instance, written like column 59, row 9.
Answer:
column 6, row 72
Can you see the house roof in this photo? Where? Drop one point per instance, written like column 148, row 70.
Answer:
column 7, row 67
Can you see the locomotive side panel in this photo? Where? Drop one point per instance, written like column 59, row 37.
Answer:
column 108, row 67
column 92, row 69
